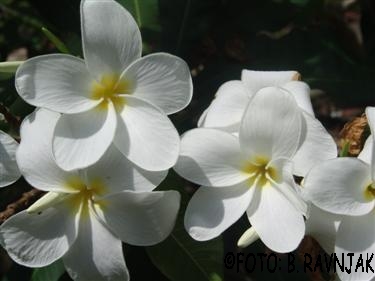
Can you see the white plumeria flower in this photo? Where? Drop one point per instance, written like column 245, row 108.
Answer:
column 113, row 95
column 323, row 227
column 9, row 171
column 227, row 109
column 86, row 213
column 251, row 173
column 346, row 186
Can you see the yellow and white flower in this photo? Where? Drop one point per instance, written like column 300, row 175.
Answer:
column 86, row 213
column 113, row 95
column 345, row 186
column 250, row 173
column 226, row 111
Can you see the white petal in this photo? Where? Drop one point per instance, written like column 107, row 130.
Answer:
column 141, row 218
column 301, row 93
column 323, row 227
column 248, row 238
column 117, row 173
column 34, row 155
column 110, row 37
column 271, row 125
column 212, row 210
column 81, row 139
column 228, row 107
column 58, row 82
column 338, row 186
column 211, row 157
column 146, row 136
column 279, row 224
column 318, row 145
column 96, row 254
column 370, row 114
column 9, row 171
column 256, row 80
column 356, row 235
column 202, row 118
column 163, row 80
column 286, row 184
column 37, row 240
column 366, row 152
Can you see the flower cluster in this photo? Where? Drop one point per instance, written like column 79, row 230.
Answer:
column 100, row 142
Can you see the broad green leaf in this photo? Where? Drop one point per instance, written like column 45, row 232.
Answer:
column 49, row 273
column 145, row 12
column 56, row 41
column 180, row 257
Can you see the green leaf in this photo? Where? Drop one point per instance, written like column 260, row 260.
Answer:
column 49, row 273
column 180, row 257
column 145, row 12
column 56, row 41
column 345, row 149
column 9, row 66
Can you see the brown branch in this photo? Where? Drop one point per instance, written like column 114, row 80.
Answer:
column 22, row 203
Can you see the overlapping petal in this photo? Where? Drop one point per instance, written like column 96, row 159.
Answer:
column 271, row 125
column 356, row 234
column 117, row 173
column 37, row 240
column 212, row 210
column 323, row 227
column 34, row 155
column 163, row 80
column 146, row 136
column 108, row 48
column 317, row 146
column 141, row 218
column 338, row 186
column 81, row 139
column 256, row 80
column 226, row 110
column 211, row 157
column 366, row 153
column 280, row 225
column 9, row 171
column 301, row 93
column 96, row 254
column 284, row 183
column 57, row 82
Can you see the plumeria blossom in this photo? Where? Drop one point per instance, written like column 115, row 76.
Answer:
column 323, row 226
column 85, row 214
column 113, row 96
column 250, row 173
column 227, row 109
column 9, row 171
column 346, row 186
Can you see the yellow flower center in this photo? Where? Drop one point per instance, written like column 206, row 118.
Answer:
column 86, row 195
column 261, row 173
column 370, row 192
column 109, row 88
column 81, row 196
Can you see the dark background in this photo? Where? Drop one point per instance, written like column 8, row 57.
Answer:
column 330, row 42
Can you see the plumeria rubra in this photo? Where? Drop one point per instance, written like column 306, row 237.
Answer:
column 112, row 96
column 86, row 213
column 226, row 111
column 346, row 186
column 250, row 173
